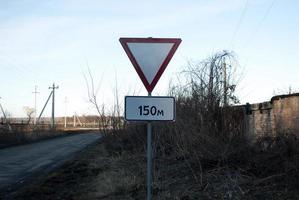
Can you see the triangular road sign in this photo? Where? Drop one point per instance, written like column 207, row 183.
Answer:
column 150, row 57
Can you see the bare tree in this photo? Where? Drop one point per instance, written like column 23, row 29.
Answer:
column 207, row 94
column 92, row 92
column 213, row 78
column 116, row 119
column 29, row 112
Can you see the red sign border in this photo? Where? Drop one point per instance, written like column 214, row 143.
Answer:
column 150, row 86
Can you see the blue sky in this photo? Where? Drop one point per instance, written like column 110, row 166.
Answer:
column 42, row 42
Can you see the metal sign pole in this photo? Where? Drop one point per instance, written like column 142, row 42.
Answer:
column 149, row 159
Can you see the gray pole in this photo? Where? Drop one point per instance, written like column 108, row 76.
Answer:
column 43, row 109
column 35, row 93
column 53, row 105
column 74, row 120
column 149, row 159
column 9, row 127
column 3, row 111
column 65, row 110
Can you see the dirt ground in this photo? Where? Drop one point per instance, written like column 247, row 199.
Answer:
column 101, row 172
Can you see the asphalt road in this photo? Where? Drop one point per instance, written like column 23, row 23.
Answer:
column 20, row 163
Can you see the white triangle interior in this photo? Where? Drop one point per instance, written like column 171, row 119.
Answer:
column 150, row 57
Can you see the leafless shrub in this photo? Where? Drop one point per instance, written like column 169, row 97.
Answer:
column 29, row 112
column 107, row 120
column 117, row 121
column 204, row 115
column 92, row 93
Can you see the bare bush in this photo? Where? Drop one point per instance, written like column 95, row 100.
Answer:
column 92, row 93
column 113, row 119
column 29, row 112
column 205, row 118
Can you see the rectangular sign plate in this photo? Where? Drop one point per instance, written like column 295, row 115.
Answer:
column 149, row 108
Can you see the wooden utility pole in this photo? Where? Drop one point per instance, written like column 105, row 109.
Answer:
column 53, row 105
column 224, row 84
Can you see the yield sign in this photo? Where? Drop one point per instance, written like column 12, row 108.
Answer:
column 150, row 57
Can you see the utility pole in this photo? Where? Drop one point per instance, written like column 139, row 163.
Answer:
column 74, row 119
column 65, row 110
column 53, row 104
column 224, row 84
column 35, row 93
column 3, row 111
column 9, row 127
column 43, row 109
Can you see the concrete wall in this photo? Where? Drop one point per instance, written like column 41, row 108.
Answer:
column 280, row 115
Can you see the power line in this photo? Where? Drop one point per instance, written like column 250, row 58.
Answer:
column 20, row 69
column 259, row 25
column 238, row 24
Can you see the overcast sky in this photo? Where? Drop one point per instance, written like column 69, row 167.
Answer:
column 42, row 42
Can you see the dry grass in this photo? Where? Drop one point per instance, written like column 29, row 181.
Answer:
column 101, row 172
